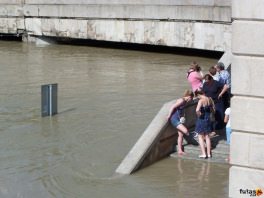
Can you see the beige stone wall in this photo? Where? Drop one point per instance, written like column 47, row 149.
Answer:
column 129, row 2
column 247, row 141
column 196, row 24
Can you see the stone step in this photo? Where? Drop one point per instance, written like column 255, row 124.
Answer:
column 215, row 139
column 216, row 157
column 222, row 147
column 220, row 150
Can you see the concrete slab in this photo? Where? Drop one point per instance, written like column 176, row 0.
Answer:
column 251, row 109
column 220, row 151
column 243, row 181
column 251, row 42
column 140, row 2
column 248, row 79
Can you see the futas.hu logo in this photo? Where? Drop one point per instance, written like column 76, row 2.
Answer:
column 253, row 193
column 259, row 192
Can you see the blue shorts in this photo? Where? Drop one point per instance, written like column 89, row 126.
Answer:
column 175, row 121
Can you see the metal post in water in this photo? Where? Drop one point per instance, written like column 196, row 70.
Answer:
column 49, row 104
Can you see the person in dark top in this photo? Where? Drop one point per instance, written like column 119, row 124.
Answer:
column 176, row 118
column 203, row 125
column 214, row 89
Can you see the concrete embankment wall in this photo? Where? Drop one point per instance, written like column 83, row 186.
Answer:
column 247, row 105
column 157, row 141
column 11, row 17
column 201, row 24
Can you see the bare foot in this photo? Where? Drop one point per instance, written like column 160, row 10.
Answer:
column 181, row 153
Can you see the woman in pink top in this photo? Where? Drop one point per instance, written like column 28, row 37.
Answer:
column 195, row 77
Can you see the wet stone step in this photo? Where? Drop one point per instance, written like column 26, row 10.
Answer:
column 216, row 157
column 220, row 150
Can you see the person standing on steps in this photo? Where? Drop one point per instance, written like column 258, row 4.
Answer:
column 176, row 118
column 203, row 124
column 227, row 120
column 225, row 80
column 214, row 90
column 213, row 72
column 195, row 76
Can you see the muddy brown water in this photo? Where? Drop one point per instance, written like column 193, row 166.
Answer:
column 106, row 99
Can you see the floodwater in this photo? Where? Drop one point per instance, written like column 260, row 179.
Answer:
column 106, row 99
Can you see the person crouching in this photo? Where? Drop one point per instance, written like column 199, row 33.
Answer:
column 176, row 117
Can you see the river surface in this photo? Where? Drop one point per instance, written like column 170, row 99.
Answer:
column 106, row 99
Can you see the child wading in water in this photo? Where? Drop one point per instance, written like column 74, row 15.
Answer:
column 176, row 117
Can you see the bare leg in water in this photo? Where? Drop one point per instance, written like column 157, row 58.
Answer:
column 201, row 143
column 208, row 145
column 181, row 131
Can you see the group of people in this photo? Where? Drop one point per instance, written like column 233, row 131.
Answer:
column 213, row 108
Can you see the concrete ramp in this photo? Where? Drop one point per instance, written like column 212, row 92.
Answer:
column 157, row 142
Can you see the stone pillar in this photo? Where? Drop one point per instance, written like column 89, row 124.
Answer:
column 247, row 114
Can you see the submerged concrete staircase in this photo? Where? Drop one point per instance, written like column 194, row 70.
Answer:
column 160, row 137
column 220, row 150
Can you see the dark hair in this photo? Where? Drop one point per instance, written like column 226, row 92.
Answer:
column 212, row 70
column 208, row 77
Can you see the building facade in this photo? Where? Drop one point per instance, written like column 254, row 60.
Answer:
column 247, row 104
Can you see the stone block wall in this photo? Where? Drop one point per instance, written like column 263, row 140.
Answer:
column 11, row 16
column 247, row 139
column 201, row 24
